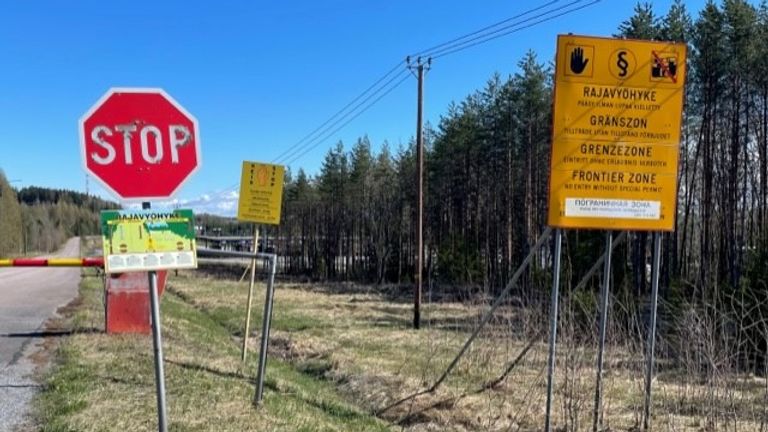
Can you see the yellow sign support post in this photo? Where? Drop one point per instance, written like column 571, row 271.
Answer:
column 616, row 134
column 261, row 199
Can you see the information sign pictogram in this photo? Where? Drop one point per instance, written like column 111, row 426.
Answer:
column 616, row 133
column 261, row 193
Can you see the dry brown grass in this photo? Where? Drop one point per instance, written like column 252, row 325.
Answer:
column 376, row 359
column 341, row 353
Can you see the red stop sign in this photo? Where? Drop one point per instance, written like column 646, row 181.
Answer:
column 140, row 143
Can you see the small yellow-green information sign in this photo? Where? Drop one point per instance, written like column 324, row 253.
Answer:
column 142, row 240
column 616, row 133
column 261, row 193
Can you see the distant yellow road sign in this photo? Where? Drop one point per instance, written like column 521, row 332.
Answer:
column 261, row 193
column 616, row 133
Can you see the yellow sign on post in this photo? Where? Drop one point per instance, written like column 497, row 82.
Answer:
column 616, row 133
column 261, row 193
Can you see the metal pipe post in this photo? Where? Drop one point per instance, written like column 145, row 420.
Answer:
column 652, row 329
column 265, row 330
column 157, row 342
column 604, row 292
column 553, row 328
column 158, row 347
column 250, row 292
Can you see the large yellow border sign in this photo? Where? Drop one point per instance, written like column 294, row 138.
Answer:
column 616, row 133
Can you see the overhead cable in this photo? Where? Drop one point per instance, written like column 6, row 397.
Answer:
column 384, row 85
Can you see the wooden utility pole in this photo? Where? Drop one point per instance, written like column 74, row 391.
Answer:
column 420, row 68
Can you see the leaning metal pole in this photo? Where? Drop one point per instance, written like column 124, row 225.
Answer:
column 545, row 235
column 487, row 317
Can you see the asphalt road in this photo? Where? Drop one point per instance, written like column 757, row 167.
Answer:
column 28, row 298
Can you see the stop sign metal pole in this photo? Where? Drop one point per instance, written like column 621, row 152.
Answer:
column 157, row 343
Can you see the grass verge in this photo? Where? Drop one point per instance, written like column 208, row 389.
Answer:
column 106, row 383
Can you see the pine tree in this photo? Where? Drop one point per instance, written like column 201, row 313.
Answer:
column 10, row 220
column 642, row 25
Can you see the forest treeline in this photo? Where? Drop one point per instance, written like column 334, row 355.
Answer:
column 39, row 220
column 487, row 163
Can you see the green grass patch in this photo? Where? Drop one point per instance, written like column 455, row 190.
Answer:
column 106, row 383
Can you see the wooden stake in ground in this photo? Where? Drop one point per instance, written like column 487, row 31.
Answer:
column 250, row 292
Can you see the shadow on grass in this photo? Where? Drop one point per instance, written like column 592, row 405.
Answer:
column 37, row 334
column 219, row 373
column 397, row 318
column 329, row 407
column 51, row 333
column 119, row 380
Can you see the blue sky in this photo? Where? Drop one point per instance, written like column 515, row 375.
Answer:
column 258, row 76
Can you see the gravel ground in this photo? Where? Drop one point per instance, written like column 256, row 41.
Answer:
column 29, row 297
column 17, row 389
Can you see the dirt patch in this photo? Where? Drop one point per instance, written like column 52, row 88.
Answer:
column 41, row 358
column 370, row 390
column 68, row 310
column 284, row 347
column 54, row 330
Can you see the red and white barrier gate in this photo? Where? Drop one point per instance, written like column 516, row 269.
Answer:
column 126, row 294
column 53, row 262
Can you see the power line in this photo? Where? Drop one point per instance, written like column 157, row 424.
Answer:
column 426, row 52
column 349, row 112
column 321, row 136
column 474, row 42
column 376, row 83
column 400, row 82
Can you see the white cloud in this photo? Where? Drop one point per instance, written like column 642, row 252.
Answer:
column 220, row 203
